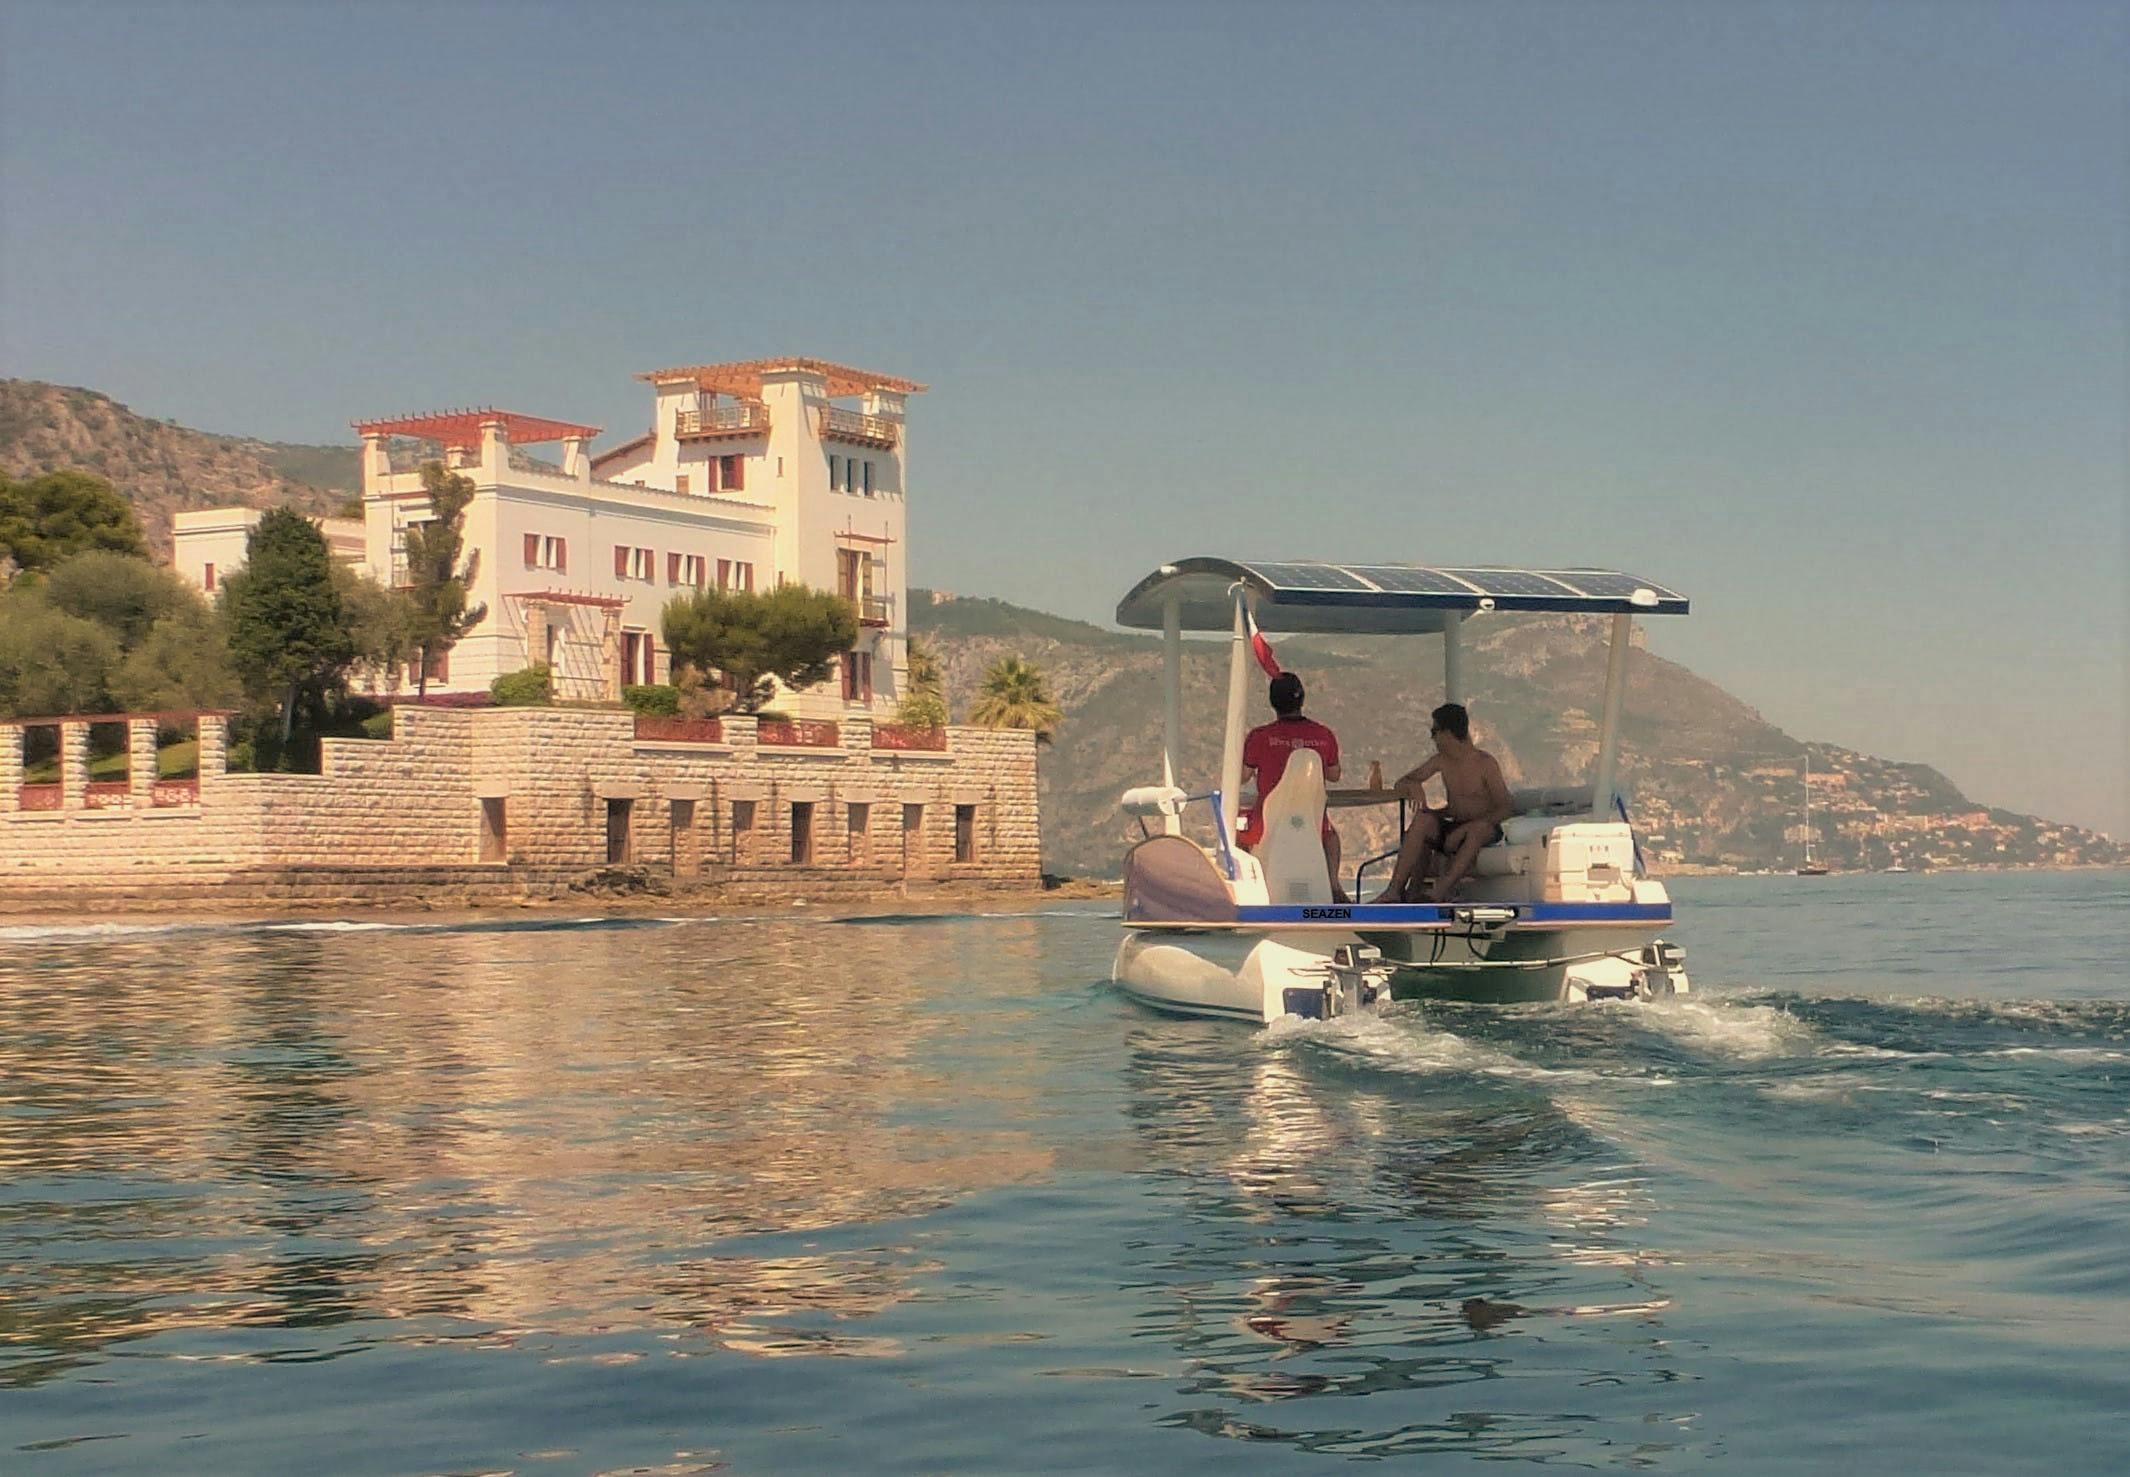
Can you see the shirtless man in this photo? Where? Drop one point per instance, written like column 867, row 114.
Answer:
column 1478, row 804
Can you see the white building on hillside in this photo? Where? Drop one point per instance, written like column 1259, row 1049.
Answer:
column 752, row 474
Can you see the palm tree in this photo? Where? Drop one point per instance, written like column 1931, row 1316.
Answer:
column 924, row 697
column 1015, row 695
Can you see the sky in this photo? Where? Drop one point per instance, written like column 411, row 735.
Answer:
column 1817, row 312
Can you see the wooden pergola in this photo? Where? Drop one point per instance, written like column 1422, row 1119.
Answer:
column 742, row 378
column 463, row 427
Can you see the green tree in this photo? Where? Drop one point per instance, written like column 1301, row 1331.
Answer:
column 125, row 595
column 51, row 662
column 924, row 696
column 288, row 635
column 1015, row 694
column 49, row 517
column 181, row 663
column 753, row 641
column 436, row 585
column 380, row 623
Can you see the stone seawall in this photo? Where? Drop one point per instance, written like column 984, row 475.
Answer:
column 488, row 804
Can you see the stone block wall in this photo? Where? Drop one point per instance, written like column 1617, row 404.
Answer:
column 552, row 793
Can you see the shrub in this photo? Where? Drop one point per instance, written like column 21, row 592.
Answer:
column 378, row 725
column 659, row 700
column 530, row 687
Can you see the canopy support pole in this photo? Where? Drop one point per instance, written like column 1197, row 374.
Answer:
column 1231, row 741
column 1171, row 702
column 1453, row 656
column 1608, row 757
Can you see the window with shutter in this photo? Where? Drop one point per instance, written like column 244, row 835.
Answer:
column 621, row 561
column 672, row 569
column 732, row 472
column 532, row 550
column 561, row 556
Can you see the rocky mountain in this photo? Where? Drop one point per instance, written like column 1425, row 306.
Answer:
column 1709, row 782
column 163, row 467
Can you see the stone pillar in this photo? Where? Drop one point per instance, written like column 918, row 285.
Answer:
column 610, row 653
column 214, row 747
column 856, row 735
column 376, row 462
column 140, row 759
column 73, row 764
column 10, row 766
column 575, row 464
column 535, row 634
column 495, row 449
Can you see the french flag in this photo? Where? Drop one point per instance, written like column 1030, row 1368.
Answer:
column 1259, row 646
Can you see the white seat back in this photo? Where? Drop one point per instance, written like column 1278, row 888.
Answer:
column 1292, row 851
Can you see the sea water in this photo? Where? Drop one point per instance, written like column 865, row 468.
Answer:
column 926, row 1195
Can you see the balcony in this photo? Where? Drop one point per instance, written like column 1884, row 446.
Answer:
column 872, row 609
column 855, row 425
column 653, row 729
column 743, row 418
column 907, row 740
column 799, row 733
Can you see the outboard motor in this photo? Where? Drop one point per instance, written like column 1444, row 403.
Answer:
column 1356, row 979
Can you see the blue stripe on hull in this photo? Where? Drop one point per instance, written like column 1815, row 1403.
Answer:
column 1431, row 915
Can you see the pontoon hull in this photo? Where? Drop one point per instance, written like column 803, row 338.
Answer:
column 1237, row 975
column 1242, row 976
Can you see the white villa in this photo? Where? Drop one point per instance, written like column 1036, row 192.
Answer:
column 753, row 474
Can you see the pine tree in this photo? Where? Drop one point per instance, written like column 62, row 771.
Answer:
column 436, row 585
column 287, row 633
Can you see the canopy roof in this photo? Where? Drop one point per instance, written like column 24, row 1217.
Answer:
column 743, row 378
column 1378, row 599
column 463, row 427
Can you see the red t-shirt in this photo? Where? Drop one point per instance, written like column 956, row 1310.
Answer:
column 1268, row 747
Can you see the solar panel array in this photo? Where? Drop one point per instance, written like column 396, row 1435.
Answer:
column 1413, row 579
column 1306, row 595
column 1308, row 577
column 1406, row 579
column 1604, row 584
column 1513, row 582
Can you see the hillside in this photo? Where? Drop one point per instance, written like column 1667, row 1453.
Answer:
column 163, row 468
column 1709, row 781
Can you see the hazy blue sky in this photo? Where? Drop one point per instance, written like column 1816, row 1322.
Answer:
column 1817, row 312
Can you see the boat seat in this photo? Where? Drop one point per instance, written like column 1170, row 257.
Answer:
column 1521, row 851
column 1292, row 851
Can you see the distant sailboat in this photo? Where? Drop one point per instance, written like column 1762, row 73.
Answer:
column 1809, row 867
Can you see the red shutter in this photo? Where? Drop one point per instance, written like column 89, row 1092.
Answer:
column 734, row 472
column 561, row 556
column 650, row 658
column 532, row 550
column 621, row 561
column 672, row 569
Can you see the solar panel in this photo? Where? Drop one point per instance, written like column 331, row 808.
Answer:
column 1306, row 577
column 1606, row 584
column 1512, row 582
column 1405, row 579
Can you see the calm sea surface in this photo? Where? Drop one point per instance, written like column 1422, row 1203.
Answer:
column 786, row 1195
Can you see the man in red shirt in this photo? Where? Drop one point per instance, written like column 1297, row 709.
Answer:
column 1266, row 751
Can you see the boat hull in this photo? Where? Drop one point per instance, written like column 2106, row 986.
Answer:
column 1231, row 975
column 1236, row 974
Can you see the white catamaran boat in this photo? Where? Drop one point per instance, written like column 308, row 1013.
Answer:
column 1558, row 910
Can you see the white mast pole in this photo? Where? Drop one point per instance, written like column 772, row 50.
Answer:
column 1453, row 656
column 1608, row 759
column 1231, row 743
column 1171, row 701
